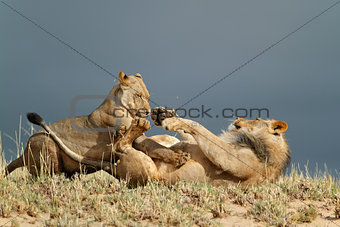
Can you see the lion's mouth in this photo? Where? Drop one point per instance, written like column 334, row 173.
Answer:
column 143, row 114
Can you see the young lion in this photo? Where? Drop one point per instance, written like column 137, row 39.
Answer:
column 252, row 151
column 92, row 140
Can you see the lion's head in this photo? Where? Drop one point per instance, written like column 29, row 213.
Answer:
column 135, row 96
column 273, row 127
column 265, row 137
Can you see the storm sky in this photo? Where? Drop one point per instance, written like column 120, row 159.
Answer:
column 181, row 48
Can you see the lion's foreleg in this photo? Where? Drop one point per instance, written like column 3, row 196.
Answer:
column 224, row 155
column 186, row 137
column 137, row 128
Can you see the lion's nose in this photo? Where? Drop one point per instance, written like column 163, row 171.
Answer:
column 237, row 126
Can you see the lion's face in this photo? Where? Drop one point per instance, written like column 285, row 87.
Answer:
column 135, row 96
column 271, row 126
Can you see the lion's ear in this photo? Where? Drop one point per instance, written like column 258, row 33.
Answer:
column 279, row 126
column 123, row 78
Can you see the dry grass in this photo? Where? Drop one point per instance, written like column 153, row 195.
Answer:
column 100, row 199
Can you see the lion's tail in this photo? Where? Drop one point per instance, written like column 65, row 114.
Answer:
column 35, row 119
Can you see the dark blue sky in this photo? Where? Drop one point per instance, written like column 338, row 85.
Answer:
column 180, row 48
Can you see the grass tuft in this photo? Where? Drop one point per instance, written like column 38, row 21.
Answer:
column 305, row 214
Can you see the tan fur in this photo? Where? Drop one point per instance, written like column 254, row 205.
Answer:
column 91, row 138
column 251, row 152
column 165, row 140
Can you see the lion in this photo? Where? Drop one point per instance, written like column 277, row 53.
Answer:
column 89, row 143
column 250, row 152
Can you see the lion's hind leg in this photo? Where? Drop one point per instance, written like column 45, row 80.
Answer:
column 42, row 155
column 136, row 167
column 190, row 171
column 17, row 163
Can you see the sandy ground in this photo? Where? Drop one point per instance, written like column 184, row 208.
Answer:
column 237, row 217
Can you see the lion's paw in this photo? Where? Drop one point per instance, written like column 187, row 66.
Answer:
column 181, row 158
column 159, row 114
column 140, row 124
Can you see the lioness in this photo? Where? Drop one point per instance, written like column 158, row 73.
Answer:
column 92, row 140
column 250, row 152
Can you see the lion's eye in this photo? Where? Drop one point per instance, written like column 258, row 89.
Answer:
column 237, row 126
column 138, row 75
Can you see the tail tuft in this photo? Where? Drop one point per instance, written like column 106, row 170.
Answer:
column 35, row 118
